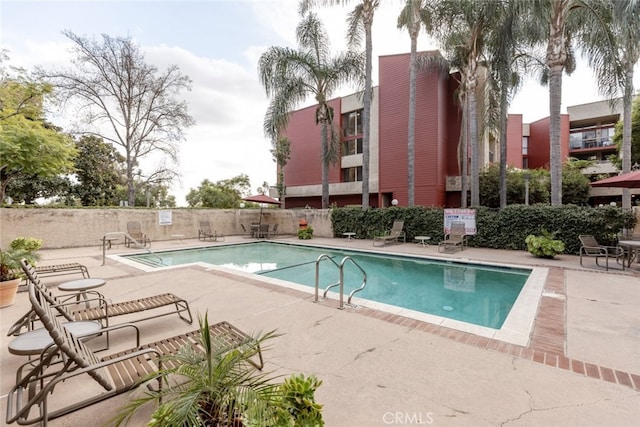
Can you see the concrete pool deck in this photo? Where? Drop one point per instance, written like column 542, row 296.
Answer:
column 580, row 367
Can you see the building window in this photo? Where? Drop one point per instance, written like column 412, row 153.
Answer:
column 351, row 146
column 525, row 145
column 591, row 137
column 607, row 136
column 352, row 123
column 352, row 174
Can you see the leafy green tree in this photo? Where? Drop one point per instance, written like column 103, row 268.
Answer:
column 99, row 170
column 264, row 188
column 575, row 185
column 28, row 145
column 126, row 101
column 490, row 183
column 28, row 188
column 152, row 195
column 281, row 153
column 290, row 76
column 225, row 194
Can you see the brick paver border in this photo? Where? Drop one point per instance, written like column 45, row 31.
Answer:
column 548, row 338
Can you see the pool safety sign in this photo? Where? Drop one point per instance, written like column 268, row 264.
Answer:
column 468, row 216
column 165, row 217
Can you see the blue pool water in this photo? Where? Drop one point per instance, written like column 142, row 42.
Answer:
column 477, row 294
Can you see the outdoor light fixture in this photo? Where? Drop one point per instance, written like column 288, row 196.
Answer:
column 242, row 205
column 394, row 202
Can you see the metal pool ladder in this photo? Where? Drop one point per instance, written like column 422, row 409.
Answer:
column 105, row 241
column 341, row 281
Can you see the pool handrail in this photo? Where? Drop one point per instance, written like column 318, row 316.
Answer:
column 341, row 281
column 105, row 242
column 364, row 277
column 320, row 258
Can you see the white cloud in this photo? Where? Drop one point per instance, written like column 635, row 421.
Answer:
column 227, row 100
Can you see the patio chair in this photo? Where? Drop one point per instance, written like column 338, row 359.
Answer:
column 590, row 248
column 274, row 232
column 393, row 235
column 101, row 310
column 61, row 269
column 205, row 232
column 263, row 231
column 135, row 236
column 456, row 238
column 116, row 373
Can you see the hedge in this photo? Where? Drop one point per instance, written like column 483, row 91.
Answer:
column 496, row 228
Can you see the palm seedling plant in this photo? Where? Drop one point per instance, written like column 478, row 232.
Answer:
column 220, row 386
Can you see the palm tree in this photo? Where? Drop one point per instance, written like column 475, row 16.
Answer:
column 559, row 21
column 506, row 59
column 412, row 17
column 361, row 18
column 613, row 56
column 290, row 76
column 460, row 27
column 218, row 385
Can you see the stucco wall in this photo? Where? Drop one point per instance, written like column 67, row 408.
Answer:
column 63, row 228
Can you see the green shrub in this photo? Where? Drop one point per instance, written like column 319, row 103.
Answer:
column 496, row 228
column 305, row 233
column 544, row 245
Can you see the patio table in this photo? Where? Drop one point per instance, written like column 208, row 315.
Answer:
column 632, row 247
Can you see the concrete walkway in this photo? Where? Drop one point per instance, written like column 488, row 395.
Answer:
column 580, row 368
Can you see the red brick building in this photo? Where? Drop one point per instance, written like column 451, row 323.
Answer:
column 437, row 135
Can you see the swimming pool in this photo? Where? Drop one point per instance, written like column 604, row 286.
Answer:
column 478, row 294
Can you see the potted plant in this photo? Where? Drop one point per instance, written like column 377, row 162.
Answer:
column 10, row 268
column 545, row 245
column 305, row 233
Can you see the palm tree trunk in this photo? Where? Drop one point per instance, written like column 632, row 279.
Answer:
column 325, row 164
column 366, row 119
column 503, row 147
column 555, row 153
column 464, row 155
column 626, row 134
column 473, row 139
column 412, row 118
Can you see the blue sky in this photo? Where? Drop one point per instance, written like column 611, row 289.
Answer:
column 217, row 43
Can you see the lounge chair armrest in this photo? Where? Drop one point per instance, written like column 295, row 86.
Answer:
column 617, row 250
column 26, row 321
column 600, row 249
column 113, row 328
column 18, row 409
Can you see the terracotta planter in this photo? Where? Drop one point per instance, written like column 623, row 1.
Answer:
column 8, row 290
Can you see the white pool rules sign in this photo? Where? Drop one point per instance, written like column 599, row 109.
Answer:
column 468, row 216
